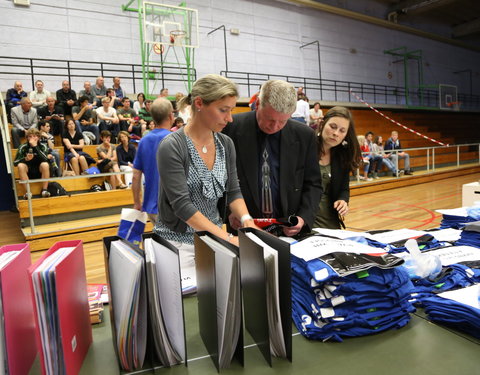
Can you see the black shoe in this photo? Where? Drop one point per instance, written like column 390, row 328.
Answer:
column 409, row 173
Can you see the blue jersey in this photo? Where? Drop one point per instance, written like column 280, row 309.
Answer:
column 146, row 161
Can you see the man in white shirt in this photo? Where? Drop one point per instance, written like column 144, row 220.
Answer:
column 107, row 118
column 39, row 96
column 302, row 112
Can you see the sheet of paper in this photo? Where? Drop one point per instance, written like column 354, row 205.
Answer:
column 317, row 246
column 167, row 277
column 277, row 341
column 447, row 234
column 338, row 233
column 455, row 254
column 461, row 211
column 396, row 235
column 468, row 296
column 127, row 283
column 228, row 300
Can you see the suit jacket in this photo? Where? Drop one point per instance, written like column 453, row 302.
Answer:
column 300, row 181
column 19, row 120
column 339, row 182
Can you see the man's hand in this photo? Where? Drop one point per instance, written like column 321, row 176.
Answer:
column 234, row 222
column 341, row 206
column 292, row 231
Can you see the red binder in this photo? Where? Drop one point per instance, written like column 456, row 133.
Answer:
column 19, row 321
column 72, row 301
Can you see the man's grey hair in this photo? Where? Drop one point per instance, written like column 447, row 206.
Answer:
column 280, row 95
column 160, row 110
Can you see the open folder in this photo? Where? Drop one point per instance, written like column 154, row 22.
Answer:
column 266, row 286
column 219, row 298
column 17, row 328
column 146, row 305
column 59, row 288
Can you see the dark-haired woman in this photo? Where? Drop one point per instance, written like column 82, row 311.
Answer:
column 338, row 154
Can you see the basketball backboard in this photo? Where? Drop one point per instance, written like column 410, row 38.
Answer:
column 170, row 25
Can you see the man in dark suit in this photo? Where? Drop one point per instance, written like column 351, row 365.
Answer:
column 277, row 160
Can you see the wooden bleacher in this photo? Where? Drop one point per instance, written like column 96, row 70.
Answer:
column 98, row 206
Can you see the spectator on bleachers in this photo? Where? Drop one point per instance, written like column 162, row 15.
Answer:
column 144, row 115
column 107, row 118
column 145, row 162
column 87, row 91
column 364, row 158
column 32, row 160
column 393, row 143
column 126, row 155
column 163, row 93
column 139, row 103
column 184, row 111
column 83, row 117
column 150, row 127
column 114, row 101
column 13, row 97
column 129, row 119
column 119, row 93
column 52, row 113
column 39, row 95
column 339, row 154
column 47, row 139
column 374, row 159
column 67, row 98
column 377, row 148
column 23, row 117
column 178, row 96
column 252, row 103
column 99, row 90
column 177, row 124
column 302, row 112
column 316, row 116
column 73, row 144
column 107, row 160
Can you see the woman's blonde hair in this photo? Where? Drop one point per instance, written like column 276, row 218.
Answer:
column 209, row 88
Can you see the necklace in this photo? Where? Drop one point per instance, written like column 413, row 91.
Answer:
column 204, row 147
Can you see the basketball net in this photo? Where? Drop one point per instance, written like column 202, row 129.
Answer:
column 177, row 37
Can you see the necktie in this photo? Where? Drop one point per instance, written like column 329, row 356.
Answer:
column 267, row 204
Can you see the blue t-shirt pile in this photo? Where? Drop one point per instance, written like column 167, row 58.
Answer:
column 470, row 235
column 460, row 217
column 345, row 295
column 459, row 309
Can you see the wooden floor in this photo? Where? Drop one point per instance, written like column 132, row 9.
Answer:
column 406, row 207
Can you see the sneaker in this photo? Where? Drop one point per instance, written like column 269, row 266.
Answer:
column 375, row 176
column 45, row 193
column 369, row 179
column 398, row 173
column 410, row 172
column 122, row 186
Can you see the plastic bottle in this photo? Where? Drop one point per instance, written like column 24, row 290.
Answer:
column 420, row 265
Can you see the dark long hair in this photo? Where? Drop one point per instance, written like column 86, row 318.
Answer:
column 349, row 150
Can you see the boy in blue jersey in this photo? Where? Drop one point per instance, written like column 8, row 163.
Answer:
column 145, row 159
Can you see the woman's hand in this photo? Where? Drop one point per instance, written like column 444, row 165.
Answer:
column 341, row 206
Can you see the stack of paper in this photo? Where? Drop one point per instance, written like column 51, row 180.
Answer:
column 341, row 289
column 128, row 290
column 270, row 255
column 165, row 302
column 229, row 314
column 44, row 285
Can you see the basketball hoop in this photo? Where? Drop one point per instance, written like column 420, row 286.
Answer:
column 177, row 37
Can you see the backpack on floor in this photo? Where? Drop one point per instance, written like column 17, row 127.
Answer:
column 55, row 189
